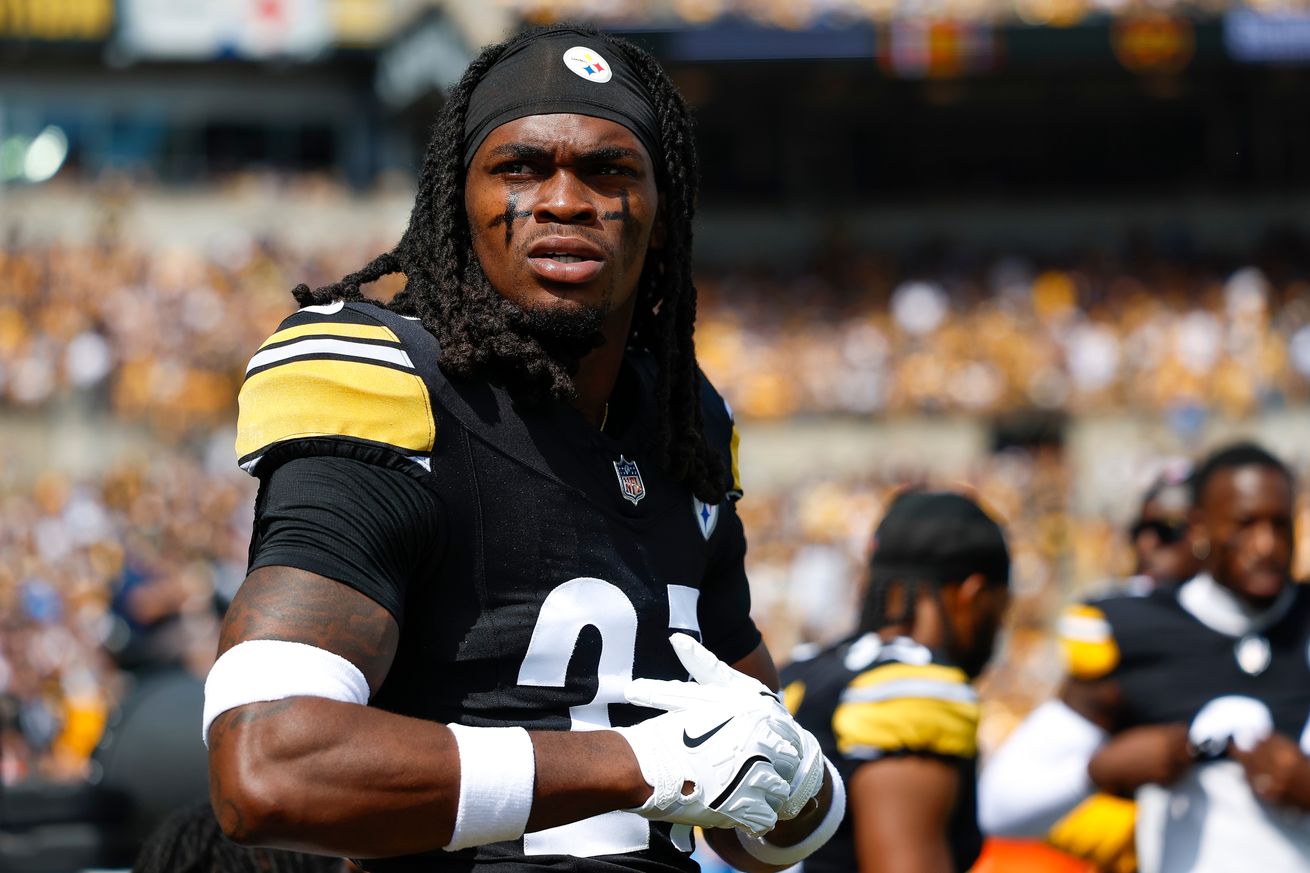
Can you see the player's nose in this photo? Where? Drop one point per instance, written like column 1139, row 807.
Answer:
column 564, row 199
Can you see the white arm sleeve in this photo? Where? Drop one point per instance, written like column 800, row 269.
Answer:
column 1040, row 774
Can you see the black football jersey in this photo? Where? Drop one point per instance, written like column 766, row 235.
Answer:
column 567, row 556
column 864, row 700
column 1171, row 658
column 1191, row 654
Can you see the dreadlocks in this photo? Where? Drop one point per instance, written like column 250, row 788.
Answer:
column 480, row 332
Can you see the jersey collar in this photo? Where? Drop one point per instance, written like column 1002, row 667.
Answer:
column 1221, row 610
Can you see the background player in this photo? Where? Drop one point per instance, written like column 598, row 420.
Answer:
column 1101, row 828
column 892, row 704
column 1191, row 698
column 1163, row 554
column 486, row 508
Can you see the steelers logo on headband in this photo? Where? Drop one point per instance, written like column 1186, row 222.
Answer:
column 587, row 64
column 552, row 72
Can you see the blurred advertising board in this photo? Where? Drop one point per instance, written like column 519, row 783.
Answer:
column 56, row 20
column 204, row 29
column 429, row 56
column 917, row 49
column 362, row 22
column 1153, row 43
column 1258, row 37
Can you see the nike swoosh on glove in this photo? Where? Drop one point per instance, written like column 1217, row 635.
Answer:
column 706, row 668
column 723, row 745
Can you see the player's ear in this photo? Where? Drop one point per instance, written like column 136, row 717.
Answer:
column 970, row 591
column 1198, row 534
column 961, row 603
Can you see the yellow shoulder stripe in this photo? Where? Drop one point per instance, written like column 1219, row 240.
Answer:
column 941, row 727
column 1087, row 641
column 736, row 471
column 792, row 696
column 333, row 328
column 334, row 398
column 908, row 707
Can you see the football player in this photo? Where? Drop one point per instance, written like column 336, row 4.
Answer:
column 1194, row 699
column 1163, row 555
column 1101, row 828
column 892, row 704
column 495, row 533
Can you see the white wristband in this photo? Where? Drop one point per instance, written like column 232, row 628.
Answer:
column 497, row 769
column 761, row 849
column 260, row 670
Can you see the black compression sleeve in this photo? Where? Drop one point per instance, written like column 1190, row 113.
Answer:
column 725, row 599
column 366, row 526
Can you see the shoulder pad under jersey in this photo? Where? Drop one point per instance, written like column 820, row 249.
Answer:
column 336, row 378
column 1087, row 642
column 721, row 431
column 907, row 708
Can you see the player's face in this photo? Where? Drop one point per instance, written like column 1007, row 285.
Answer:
column 1246, row 516
column 563, row 210
column 1161, row 545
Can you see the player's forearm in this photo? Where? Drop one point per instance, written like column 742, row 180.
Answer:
column 910, row 855
column 319, row 775
column 786, row 833
column 1148, row 754
column 1299, row 795
column 312, row 774
column 581, row 774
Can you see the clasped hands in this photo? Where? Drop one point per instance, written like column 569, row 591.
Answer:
column 725, row 753
column 1237, row 728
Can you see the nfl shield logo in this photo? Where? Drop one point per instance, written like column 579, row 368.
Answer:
column 629, row 480
column 707, row 516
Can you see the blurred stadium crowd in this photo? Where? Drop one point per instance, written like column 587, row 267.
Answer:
column 101, row 578
column 164, row 334
column 101, row 575
column 114, row 575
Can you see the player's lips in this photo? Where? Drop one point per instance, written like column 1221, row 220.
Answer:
column 565, row 259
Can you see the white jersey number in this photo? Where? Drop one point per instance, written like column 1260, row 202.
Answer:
column 574, row 605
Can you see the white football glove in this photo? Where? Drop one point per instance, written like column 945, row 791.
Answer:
column 721, row 741
column 709, row 671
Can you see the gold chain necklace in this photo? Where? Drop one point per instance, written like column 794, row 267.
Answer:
column 605, row 416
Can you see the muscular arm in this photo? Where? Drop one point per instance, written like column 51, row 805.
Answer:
column 900, row 809
column 1130, row 758
column 759, row 664
column 319, row 775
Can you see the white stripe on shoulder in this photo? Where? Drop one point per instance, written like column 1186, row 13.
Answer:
column 1084, row 628
column 326, row 308
column 865, row 753
column 919, row 688
column 320, row 346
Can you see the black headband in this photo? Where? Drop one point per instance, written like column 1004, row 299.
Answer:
column 561, row 71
